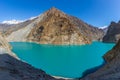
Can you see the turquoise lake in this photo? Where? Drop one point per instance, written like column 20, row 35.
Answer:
column 65, row 61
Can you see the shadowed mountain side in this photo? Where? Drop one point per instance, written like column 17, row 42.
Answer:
column 92, row 70
column 113, row 33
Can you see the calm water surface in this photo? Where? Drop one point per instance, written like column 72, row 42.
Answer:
column 65, row 61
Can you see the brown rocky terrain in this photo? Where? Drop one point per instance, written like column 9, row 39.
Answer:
column 56, row 27
column 4, row 43
column 113, row 33
column 111, row 70
column 60, row 28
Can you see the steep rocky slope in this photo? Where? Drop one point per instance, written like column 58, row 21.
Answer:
column 113, row 33
column 56, row 27
column 21, row 33
column 111, row 70
column 4, row 43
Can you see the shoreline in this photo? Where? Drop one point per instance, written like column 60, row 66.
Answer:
column 60, row 77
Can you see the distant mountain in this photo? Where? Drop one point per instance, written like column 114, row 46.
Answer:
column 104, row 28
column 7, row 29
column 56, row 27
column 113, row 33
column 4, row 27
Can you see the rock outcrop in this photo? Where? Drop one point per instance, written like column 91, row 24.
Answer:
column 4, row 44
column 5, row 47
column 7, row 29
column 113, row 33
column 111, row 70
column 56, row 27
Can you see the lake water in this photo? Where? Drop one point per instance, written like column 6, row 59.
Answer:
column 65, row 61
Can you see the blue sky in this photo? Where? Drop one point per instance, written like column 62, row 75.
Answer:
column 95, row 12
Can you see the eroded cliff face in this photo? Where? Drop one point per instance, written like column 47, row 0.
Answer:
column 56, row 27
column 111, row 70
column 113, row 33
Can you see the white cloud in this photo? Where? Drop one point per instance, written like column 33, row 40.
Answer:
column 12, row 21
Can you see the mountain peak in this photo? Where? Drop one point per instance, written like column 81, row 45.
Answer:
column 113, row 22
column 56, row 12
column 53, row 8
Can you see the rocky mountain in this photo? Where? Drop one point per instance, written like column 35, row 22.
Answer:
column 111, row 70
column 56, row 27
column 113, row 33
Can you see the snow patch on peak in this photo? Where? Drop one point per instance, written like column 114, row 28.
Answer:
column 33, row 17
column 104, row 27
